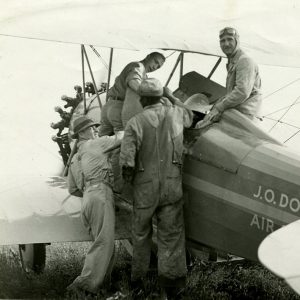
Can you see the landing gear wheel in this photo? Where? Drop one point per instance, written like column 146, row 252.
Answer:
column 33, row 257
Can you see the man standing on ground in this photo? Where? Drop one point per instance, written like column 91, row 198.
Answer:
column 243, row 83
column 90, row 172
column 151, row 159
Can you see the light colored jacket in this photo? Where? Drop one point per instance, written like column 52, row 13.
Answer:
column 95, row 164
column 75, row 177
column 243, row 86
column 134, row 70
column 90, row 164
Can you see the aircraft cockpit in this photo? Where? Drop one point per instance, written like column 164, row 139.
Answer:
column 223, row 144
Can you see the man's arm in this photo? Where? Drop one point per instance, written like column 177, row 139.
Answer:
column 188, row 114
column 112, row 142
column 244, row 82
column 134, row 84
column 72, row 183
column 129, row 145
column 135, row 77
column 129, row 148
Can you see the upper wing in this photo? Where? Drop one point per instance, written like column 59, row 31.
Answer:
column 268, row 29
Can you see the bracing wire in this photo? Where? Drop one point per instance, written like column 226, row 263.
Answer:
column 281, row 122
column 284, row 113
column 291, row 136
column 276, row 111
column 283, row 87
column 171, row 54
column 98, row 54
column 287, row 108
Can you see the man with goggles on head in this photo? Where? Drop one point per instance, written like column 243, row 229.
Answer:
column 243, row 83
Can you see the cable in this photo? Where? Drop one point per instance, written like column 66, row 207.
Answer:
column 281, row 88
column 274, row 112
column 281, row 122
column 171, row 54
column 291, row 136
column 284, row 114
column 98, row 54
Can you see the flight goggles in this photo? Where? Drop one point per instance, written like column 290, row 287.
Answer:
column 229, row 31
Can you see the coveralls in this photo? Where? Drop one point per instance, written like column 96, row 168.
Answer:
column 97, row 212
column 153, row 145
column 243, row 86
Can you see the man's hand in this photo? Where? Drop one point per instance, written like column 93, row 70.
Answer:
column 169, row 94
column 127, row 174
column 213, row 116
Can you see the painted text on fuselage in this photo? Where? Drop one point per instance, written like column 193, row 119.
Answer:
column 262, row 223
column 280, row 200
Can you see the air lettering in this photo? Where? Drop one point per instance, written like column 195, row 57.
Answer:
column 262, row 223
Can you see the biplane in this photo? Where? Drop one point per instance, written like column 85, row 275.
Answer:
column 240, row 183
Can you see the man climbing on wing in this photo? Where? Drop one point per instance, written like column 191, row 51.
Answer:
column 130, row 78
column 123, row 103
column 91, row 174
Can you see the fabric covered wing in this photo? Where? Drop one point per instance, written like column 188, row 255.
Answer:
column 39, row 210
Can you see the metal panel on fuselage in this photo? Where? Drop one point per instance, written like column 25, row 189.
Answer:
column 233, row 212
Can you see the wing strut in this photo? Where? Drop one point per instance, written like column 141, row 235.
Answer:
column 181, row 65
column 74, row 149
column 214, row 68
column 91, row 72
column 174, row 69
column 83, row 78
column 109, row 70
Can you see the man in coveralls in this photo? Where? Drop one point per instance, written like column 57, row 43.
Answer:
column 151, row 159
column 243, row 83
column 90, row 172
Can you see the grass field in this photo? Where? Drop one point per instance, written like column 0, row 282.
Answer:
column 206, row 280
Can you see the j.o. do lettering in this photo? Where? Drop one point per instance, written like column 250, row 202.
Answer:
column 278, row 199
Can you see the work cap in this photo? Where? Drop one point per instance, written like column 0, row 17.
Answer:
column 229, row 31
column 151, row 87
column 198, row 102
column 82, row 123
